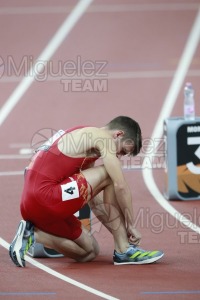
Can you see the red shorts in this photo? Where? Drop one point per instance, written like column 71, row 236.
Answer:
column 51, row 207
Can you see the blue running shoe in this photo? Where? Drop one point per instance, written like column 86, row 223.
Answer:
column 136, row 256
column 21, row 243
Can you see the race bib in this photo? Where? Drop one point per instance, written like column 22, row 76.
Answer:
column 70, row 191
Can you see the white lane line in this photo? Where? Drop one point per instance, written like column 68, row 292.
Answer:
column 110, row 75
column 47, row 53
column 11, row 173
column 14, row 156
column 61, row 276
column 169, row 102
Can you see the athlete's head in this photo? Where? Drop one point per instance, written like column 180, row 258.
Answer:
column 129, row 132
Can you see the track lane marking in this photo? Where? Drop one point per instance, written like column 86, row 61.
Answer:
column 11, row 173
column 183, row 292
column 166, row 110
column 61, row 276
column 45, row 56
column 112, row 75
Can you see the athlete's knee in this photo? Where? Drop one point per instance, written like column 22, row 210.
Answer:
column 91, row 251
column 89, row 256
column 96, row 175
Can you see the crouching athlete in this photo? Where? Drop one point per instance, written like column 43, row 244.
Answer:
column 62, row 178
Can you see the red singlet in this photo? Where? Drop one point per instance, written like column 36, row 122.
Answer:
column 54, row 190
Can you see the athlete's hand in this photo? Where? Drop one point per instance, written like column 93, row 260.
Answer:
column 134, row 236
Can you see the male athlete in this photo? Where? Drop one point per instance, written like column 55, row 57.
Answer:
column 62, row 178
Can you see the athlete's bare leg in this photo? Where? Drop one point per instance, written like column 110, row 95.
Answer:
column 106, row 208
column 85, row 248
column 110, row 215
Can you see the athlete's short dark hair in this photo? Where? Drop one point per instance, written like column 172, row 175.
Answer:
column 131, row 128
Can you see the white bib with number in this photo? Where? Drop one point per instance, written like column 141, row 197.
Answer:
column 69, row 191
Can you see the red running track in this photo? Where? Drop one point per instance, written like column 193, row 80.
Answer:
column 137, row 45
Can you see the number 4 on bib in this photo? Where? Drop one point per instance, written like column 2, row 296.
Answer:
column 70, row 191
